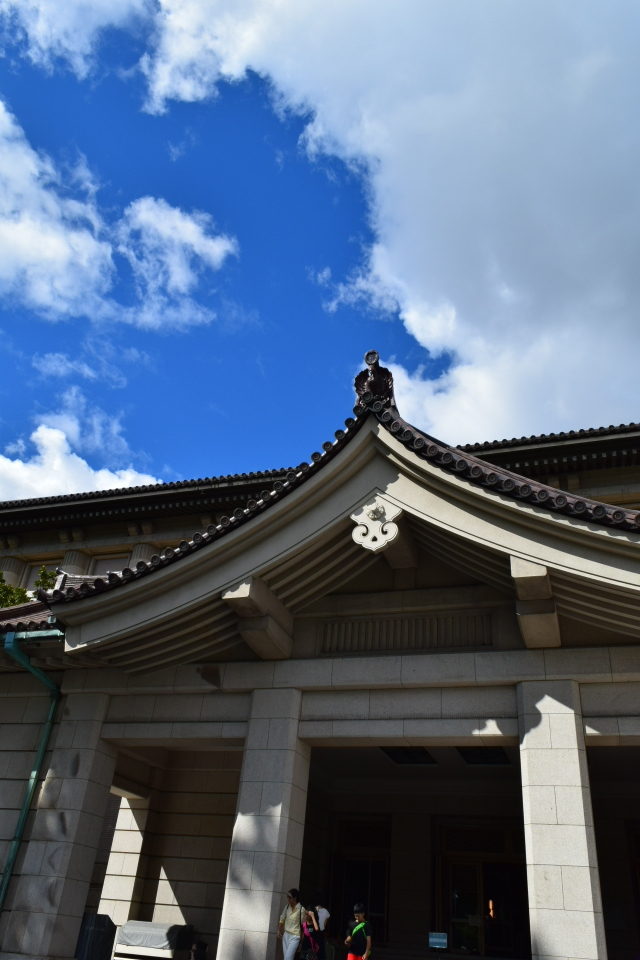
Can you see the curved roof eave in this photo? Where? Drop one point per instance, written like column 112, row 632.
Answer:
column 502, row 492
column 177, row 614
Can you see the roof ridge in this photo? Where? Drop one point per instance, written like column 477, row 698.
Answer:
column 294, row 478
column 611, row 430
column 118, row 491
column 499, row 479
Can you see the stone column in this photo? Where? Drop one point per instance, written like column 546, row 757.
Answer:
column 565, row 908
column 141, row 551
column 49, row 898
column 75, row 561
column 266, row 846
column 124, row 880
column 13, row 569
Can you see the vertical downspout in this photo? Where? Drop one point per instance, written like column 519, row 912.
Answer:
column 12, row 649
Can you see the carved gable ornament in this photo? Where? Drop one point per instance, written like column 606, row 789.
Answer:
column 375, row 529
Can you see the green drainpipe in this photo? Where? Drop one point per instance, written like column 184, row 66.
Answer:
column 11, row 647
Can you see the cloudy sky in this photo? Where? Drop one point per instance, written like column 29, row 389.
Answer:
column 209, row 210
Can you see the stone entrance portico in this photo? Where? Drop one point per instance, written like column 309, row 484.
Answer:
column 238, row 693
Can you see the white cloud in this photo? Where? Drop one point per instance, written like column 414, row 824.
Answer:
column 501, row 156
column 18, row 446
column 167, row 249
column 57, row 252
column 89, row 429
column 100, row 359
column 56, row 469
column 69, row 30
column 502, row 165
column 56, row 466
column 60, row 365
column 51, row 256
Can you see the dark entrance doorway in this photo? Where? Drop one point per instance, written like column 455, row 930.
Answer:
column 431, row 846
column 365, row 881
column 360, row 871
column 614, row 773
column 482, row 887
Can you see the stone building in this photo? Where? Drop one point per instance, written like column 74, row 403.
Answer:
column 404, row 673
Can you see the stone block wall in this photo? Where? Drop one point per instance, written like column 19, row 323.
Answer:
column 124, row 881
column 187, row 840
column 21, row 719
column 103, row 854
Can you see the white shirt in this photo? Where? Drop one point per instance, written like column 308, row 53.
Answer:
column 323, row 916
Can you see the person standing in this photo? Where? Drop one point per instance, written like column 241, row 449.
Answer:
column 323, row 917
column 313, row 938
column 290, row 925
column 358, row 936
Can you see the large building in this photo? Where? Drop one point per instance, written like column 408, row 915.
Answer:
column 403, row 673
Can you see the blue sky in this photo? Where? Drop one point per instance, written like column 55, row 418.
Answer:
column 209, row 210
column 271, row 373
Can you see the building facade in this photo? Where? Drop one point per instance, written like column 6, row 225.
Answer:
column 403, row 673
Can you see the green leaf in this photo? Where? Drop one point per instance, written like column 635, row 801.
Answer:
column 11, row 596
column 46, row 579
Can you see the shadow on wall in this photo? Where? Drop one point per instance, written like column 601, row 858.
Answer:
column 186, row 845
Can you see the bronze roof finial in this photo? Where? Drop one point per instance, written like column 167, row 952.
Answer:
column 375, row 383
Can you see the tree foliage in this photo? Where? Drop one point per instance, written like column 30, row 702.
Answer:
column 11, row 596
column 46, row 579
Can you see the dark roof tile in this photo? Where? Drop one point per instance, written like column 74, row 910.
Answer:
column 611, row 430
column 124, row 491
column 33, row 615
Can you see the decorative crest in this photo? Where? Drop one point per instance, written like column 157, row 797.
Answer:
column 375, row 383
column 375, row 528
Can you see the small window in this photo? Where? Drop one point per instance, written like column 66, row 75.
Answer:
column 411, row 756
column 103, row 565
column 484, row 756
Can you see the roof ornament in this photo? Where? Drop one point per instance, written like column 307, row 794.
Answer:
column 375, row 528
column 376, row 383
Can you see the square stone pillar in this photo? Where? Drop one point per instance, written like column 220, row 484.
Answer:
column 49, row 898
column 266, row 846
column 124, row 879
column 565, row 907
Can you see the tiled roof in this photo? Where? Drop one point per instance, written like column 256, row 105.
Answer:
column 495, row 479
column 552, row 437
column 152, row 487
column 26, row 616
column 67, row 589
column 501, row 480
